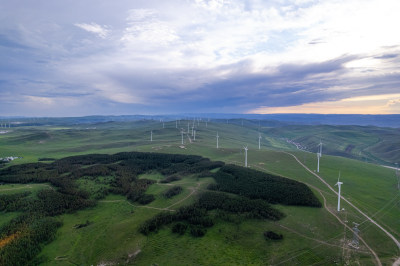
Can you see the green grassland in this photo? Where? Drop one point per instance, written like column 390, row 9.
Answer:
column 366, row 143
column 311, row 235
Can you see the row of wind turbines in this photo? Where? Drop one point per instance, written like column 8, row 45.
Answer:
column 245, row 148
column 4, row 125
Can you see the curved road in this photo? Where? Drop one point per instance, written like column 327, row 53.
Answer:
column 397, row 262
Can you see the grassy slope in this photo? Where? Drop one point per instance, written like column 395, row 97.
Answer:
column 115, row 137
column 379, row 145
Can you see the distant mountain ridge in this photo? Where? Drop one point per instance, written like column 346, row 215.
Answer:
column 392, row 120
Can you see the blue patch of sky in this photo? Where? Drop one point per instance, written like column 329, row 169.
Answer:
column 278, row 41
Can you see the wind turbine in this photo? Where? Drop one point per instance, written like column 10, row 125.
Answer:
column 182, row 135
column 259, row 141
column 151, row 135
column 245, row 156
column 319, row 154
column 217, row 140
column 339, row 184
column 398, row 176
column 194, row 135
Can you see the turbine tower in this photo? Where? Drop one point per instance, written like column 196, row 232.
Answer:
column 194, row 135
column 398, row 176
column 319, row 154
column 151, row 135
column 182, row 135
column 217, row 140
column 245, row 156
column 339, row 184
column 259, row 141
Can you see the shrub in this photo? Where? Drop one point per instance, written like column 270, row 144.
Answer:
column 197, row 231
column 146, row 199
column 179, row 228
column 272, row 235
column 172, row 192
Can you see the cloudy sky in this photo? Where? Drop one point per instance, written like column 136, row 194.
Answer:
column 73, row 58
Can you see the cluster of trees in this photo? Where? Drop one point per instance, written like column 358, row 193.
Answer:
column 51, row 203
column 28, row 241
column 175, row 190
column 44, row 159
column 137, row 190
column 254, row 208
column 124, row 168
column 78, row 226
column 259, row 185
column 12, row 202
column 35, row 226
column 27, row 173
column 170, row 179
column 272, row 235
column 254, row 191
column 197, row 218
column 125, row 163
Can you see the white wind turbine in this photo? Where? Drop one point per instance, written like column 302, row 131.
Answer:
column 259, row 141
column 217, row 140
column 339, row 184
column 151, row 135
column 319, row 154
column 245, row 156
column 182, row 135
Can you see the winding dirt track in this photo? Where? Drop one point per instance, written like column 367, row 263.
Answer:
column 397, row 262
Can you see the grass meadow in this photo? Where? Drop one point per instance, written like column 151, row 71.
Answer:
column 312, row 236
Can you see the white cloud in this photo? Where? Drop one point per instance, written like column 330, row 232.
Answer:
column 161, row 48
column 144, row 26
column 210, row 4
column 374, row 104
column 39, row 100
column 102, row 32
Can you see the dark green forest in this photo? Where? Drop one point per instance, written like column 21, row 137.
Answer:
column 250, row 195
column 258, row 185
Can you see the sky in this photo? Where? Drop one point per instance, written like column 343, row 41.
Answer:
column 103, row 57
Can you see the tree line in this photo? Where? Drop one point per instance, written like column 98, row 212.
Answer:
column 259, row 185
column 197, row 216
